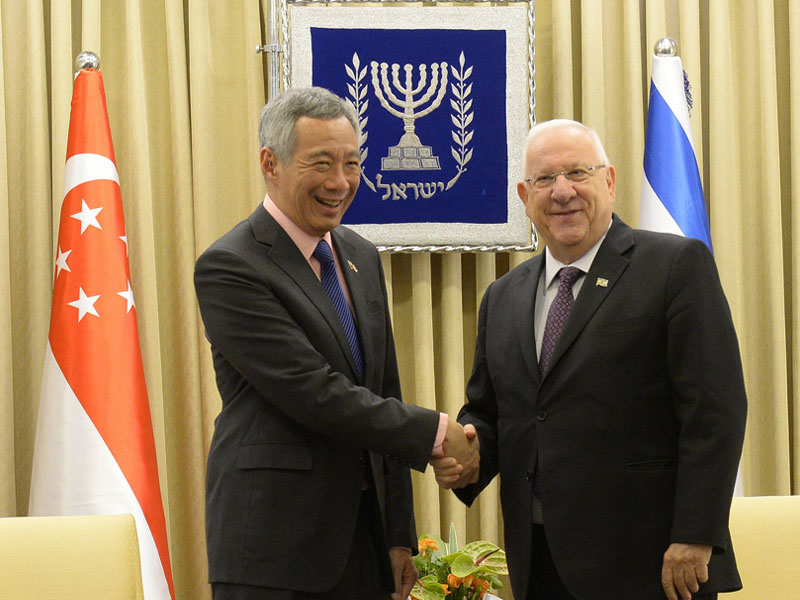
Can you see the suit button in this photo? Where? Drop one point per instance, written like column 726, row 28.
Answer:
column 541, row 415
column 362, row 463
column 529, row 475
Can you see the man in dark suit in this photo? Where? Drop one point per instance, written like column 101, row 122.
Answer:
column 614, row 411
column 309, row 492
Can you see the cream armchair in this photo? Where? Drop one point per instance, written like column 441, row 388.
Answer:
column 766, row 538
column 65, row 558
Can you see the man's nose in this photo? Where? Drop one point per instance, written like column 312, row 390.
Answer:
column 336, row 179
column 562, row 188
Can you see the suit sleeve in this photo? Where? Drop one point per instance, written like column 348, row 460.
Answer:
column 481, row 409
column 710, row 402
column 399, row 495
column 247, row 323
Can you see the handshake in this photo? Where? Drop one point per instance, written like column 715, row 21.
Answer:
column 458, row 463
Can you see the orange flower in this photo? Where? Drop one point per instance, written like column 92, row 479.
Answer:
column 428, row 543
column 453, row 581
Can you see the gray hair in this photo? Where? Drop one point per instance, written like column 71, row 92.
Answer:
column 564, row 123
column 276, row 129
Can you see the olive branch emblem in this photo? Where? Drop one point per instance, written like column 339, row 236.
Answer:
column 358, row 92
column 461, row 119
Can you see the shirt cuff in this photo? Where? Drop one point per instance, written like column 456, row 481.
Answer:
column 440, row 433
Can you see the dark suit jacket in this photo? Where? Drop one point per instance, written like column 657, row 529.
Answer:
column 637, row 426
column 285, row 469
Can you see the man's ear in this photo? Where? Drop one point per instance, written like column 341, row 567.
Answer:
column 611, row 182
column 269, row 163
column 523, row 193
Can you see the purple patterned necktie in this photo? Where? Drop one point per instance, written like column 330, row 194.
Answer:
column 330, row 281
column 557, row 316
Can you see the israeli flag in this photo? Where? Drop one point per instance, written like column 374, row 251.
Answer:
column 672, row 193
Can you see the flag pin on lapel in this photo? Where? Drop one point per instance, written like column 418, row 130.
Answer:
column 601, row 281
column 352, row 266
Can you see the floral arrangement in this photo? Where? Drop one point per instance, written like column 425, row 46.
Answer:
column 465, row 573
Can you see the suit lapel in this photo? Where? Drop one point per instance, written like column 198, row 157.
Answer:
column 607, row 267
column 523, row 314
column 283, row 252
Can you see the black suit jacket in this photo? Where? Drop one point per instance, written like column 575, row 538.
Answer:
column 285, row 468
column 637, row 426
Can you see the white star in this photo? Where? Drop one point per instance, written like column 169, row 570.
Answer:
column 124, row 238
column 61, row 261
column 85, row 304
column 128, row 295
column 87, row 216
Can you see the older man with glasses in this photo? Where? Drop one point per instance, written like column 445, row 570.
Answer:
column 607, row 391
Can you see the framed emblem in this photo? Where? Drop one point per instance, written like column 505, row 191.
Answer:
column 444, row 99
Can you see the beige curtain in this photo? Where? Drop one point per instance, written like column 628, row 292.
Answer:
column 184, row 87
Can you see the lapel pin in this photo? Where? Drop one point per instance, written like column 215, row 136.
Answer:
column 602, row 282
column 352, row 266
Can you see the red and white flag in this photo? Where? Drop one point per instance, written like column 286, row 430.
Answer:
column 94, row 451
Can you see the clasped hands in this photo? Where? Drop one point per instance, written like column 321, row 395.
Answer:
column 458, row 464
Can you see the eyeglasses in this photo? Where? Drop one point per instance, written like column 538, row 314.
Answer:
column 576, row 175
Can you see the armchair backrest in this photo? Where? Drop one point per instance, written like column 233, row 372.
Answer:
column 81, row 558
column 766, row 539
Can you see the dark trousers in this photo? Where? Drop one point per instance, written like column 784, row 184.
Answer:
column 360, row 581
column 545, row 584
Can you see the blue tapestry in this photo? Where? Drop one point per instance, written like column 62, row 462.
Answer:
column 432, row 105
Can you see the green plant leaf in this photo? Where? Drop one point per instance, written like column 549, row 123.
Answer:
column 484, row 553
column 429, row 590
column 463, row 565
column 453, row 542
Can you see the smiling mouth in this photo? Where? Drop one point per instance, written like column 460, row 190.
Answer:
column 329, row 203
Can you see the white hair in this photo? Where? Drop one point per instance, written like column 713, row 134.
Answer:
column 559, row 124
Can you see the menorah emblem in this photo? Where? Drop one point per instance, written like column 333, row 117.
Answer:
column 409, row 153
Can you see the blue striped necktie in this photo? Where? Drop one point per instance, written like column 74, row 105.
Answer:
column 330, row 281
